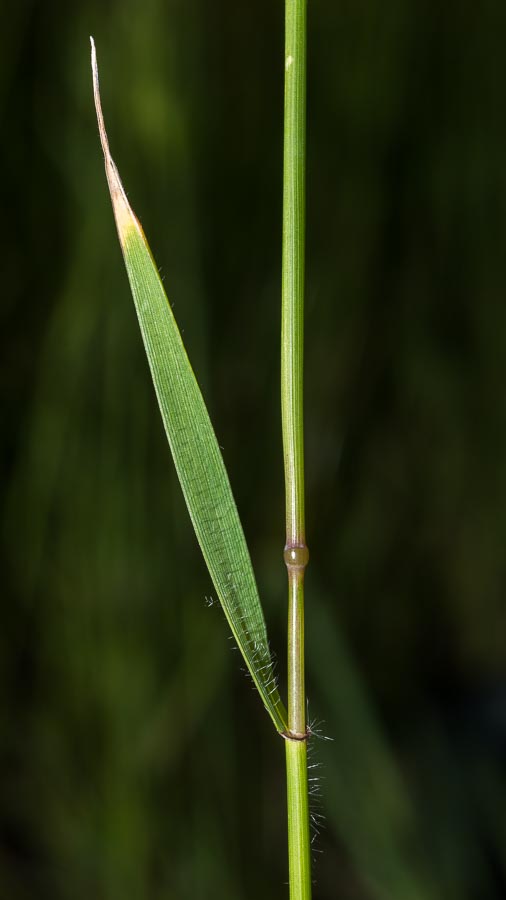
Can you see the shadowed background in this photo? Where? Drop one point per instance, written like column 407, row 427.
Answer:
column 136, row 761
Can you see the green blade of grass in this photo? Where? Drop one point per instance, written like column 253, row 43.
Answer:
column 194, row 447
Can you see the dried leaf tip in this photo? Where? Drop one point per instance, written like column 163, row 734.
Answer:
column 98, row 105
column 125, row 218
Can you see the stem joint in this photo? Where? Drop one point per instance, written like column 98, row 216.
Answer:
column 296, row 557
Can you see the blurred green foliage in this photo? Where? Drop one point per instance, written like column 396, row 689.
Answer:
column 127, row 728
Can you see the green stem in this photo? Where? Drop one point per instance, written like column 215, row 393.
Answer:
column 292, row 346
column 292, row 321
column 299, row 860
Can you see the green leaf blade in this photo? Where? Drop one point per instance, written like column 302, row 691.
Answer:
column 197, row 456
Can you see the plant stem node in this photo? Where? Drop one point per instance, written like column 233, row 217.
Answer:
column 296, row 556
column 296, row 735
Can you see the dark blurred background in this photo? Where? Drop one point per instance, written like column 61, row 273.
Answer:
column 136, row 762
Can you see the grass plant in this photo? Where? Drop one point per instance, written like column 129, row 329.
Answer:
column 197, row 456
column 133, row 763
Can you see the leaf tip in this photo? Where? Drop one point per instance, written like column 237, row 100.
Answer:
column 98, row 104
column 125, row 218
